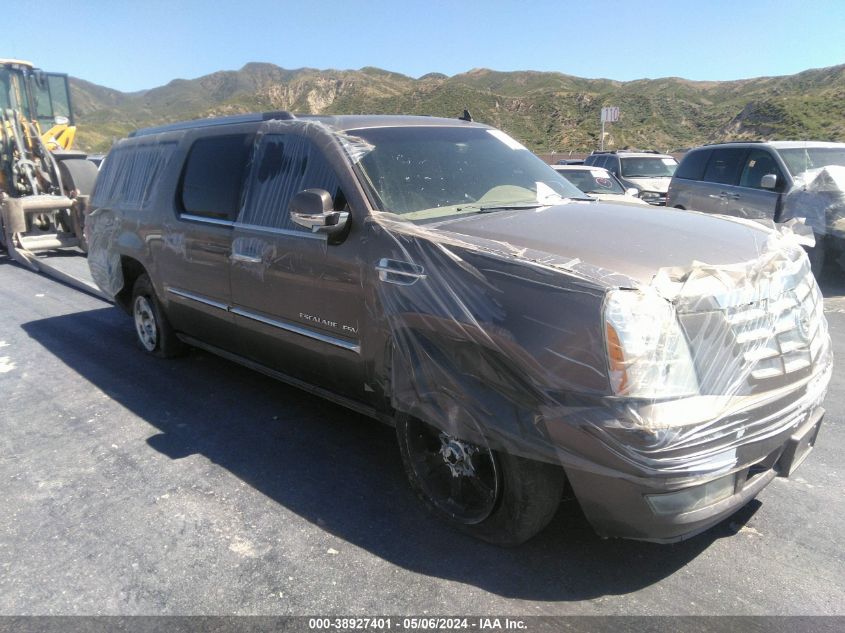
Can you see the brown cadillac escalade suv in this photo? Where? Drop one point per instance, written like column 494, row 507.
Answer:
column 437, row 276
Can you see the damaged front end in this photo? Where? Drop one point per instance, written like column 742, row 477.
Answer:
column 668, row 404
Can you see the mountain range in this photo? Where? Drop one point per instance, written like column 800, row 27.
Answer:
column 547, row 111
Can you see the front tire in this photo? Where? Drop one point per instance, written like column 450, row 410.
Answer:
column 154, row 333
column 491, row 495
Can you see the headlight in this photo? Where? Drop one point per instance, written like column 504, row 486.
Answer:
column 650, row 196
column 648, row 355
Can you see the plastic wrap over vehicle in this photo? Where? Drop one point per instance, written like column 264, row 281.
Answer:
column 127, row 179
column 818, row 196
column 547, row 392
column 553, row 358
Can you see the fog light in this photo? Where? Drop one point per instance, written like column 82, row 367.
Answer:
column 693, row 498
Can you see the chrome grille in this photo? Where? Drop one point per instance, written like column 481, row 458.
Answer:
column 780, row 335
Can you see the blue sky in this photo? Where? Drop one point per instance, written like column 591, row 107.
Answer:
column 146, row 43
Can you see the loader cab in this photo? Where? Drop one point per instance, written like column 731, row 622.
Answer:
column 38, row 96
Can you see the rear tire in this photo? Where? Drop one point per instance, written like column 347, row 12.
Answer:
column 498, row 497
column 154, row 333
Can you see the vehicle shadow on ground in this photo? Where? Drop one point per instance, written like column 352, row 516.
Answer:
column 342, row 471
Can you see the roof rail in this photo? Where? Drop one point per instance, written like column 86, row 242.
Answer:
column 255, row 117
column 730, row 142
column 630, row 150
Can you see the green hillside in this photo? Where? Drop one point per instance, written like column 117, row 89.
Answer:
column 546, row 111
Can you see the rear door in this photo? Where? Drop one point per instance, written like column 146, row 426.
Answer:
column 297, row 299
column 193, row 260
column 718, row 192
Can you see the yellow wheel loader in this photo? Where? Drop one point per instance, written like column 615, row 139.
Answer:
column 44, row 184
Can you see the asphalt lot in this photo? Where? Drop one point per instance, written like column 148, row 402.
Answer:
column 133, row 485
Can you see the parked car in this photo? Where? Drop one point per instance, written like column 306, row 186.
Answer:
column 599, row 183
column 437, row 276
column 646, row 171
column 776, row 180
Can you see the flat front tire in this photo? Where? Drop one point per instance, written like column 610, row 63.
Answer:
column 154, row 333
column 491, row 495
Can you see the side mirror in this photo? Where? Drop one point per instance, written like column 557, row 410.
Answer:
column 632, row 191
column 313, row 209
column 769, row 181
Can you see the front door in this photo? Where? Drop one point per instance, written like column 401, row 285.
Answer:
column 296, row 297
column 755, row 201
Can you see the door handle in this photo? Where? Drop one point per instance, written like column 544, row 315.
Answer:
column 239, row 257
column 212, row 248
column 400, row 273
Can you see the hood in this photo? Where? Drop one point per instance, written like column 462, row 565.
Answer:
column 660, row 185
column 630, row 240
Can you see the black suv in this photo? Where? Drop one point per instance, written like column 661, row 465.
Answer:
column 437, row 276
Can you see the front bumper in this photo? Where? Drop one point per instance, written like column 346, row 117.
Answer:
column 619, row 508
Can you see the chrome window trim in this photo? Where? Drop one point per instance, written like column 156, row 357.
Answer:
column 267, row 229
column 205, row 220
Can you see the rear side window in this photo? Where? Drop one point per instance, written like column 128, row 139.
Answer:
column 692, row 165
column 725, row 165
column 285, row 164
column 129, row 175
column 213, row 179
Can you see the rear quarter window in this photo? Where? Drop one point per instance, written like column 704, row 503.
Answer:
column 692, row 165
column 130, row 174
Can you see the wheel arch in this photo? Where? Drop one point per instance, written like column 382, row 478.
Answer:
column 131, row 269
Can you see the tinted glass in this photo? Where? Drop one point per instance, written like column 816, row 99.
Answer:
column 285, row 164
column 436, row 172
column 758, row 164
column 648, row 167
column 725, row 165
column 214, row 174
column 693, row 164
column 129, row 175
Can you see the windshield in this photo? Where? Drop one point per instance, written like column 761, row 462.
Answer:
column 800, row 159
column 424, row 173
column 592, row 180
column 648, row 167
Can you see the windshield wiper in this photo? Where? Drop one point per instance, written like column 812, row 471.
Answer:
column 507, row 207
